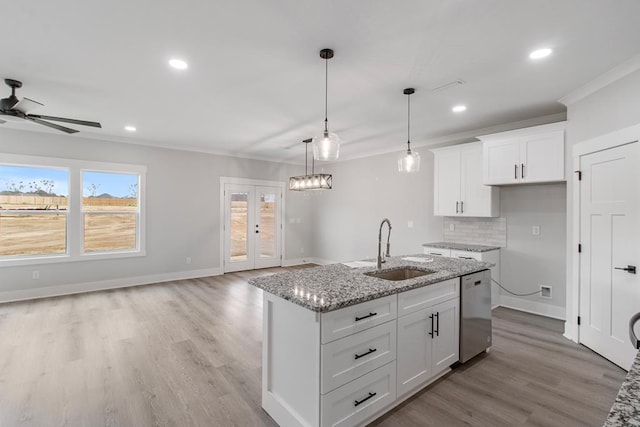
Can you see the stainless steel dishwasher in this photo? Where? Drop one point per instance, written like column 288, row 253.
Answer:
column 475, row 314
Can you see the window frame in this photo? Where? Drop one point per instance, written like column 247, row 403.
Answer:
column 75, row 214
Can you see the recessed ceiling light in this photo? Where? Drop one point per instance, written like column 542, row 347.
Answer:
column 178, row 64
column 540, row 53
column 459, row 108
column 130, row 128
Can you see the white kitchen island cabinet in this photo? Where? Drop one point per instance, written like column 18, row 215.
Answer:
column 524, row 156
column 351, row 363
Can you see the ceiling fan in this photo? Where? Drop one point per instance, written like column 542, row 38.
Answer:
column 12, row 107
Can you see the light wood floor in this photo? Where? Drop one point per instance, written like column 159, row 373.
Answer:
column 188, row 353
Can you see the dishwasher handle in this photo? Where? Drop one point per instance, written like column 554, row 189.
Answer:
column 634, row 339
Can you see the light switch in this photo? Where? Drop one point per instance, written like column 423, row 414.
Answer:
column 410, row 224
column 535, row 230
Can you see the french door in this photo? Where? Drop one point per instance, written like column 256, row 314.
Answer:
column 252, row 227
column 609, row 236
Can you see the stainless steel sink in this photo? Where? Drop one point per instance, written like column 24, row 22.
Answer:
column 401, row 273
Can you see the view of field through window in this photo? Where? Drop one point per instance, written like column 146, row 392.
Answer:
column 34, row 206
column 239, row 226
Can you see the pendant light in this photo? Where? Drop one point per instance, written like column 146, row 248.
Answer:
column 321, row 181
column 327, row 145
column 409, row 161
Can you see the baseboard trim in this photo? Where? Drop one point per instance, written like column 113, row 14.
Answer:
column 103, row 285
column 297, row 261
column 321, row 261
column 533, row 307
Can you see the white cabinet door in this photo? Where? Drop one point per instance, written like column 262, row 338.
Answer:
column 445, row 349
column 501, row 159
column 447, row 183
column 542, row 157
column 414, row 350
column 476, row 199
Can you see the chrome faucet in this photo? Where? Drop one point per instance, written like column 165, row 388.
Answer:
column 388, row 254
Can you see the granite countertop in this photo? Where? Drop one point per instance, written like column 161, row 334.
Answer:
column 335, row 286
column 461, row 246
column 626, row 409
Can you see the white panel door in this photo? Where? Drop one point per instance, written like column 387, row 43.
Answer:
column 446, row 343
column 252, row 227
column 610, row 236
column 476, row 199
column 501, row 162
column 542, row 157
column 415, row 340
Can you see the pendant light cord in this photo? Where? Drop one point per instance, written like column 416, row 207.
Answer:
column 408, row 122
column 326, row 93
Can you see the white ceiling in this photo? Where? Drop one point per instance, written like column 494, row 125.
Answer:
column 255, row 83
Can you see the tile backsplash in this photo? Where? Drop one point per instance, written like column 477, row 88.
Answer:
column 478, row 231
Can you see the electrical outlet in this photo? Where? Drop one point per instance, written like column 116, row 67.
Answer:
column 35, row 275
column 301, row 250
column 188, row 260
column 452, row 227
column 545, row 291
column 535, row 230
column 410, row 224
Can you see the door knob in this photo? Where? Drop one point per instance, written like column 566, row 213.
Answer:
column 629, row 269
column 257, row 231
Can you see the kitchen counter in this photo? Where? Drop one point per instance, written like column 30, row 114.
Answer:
column 330, row 287
column 461, row 246
column 626, row 409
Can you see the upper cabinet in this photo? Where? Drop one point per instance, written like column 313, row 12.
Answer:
column 458, row 188
column 523, row 156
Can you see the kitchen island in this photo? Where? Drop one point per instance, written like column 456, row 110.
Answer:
column 342, row 347
column 626, row 409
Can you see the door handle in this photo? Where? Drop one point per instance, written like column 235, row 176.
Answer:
column 431, row 333
column 629, row 269
column 461, row 207
column 438, row 324
column 457, row 207
column 257, row 231
column 515, row 171
column 522, row 170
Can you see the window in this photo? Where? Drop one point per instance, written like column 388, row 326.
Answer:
column 110, row 211
column 33, row 210
column 54, row 210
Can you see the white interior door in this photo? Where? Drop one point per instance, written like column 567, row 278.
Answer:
column 252, row 227
column 610, row 236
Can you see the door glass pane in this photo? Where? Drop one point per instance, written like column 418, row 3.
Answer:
column 239, row 219
column 267, row 225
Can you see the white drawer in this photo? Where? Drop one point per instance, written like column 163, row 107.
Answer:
column 466, row 255
column 436, row 251
column 349, row 320
column 427, row 296
column 351, row 357
column 360, row 399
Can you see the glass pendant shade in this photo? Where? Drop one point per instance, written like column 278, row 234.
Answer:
column 326, row 146
column 409, row 161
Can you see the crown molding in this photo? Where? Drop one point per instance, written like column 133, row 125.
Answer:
column 602, row 81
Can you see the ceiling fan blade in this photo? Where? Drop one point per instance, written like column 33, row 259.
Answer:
column 25, row 105
column 51, row 125
column 72, row 121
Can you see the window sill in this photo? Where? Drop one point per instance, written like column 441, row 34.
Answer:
column 56, row 259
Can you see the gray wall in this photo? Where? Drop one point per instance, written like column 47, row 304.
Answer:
column 529, row 261
column 613, row 107
column 346, row 219
column 183, row 208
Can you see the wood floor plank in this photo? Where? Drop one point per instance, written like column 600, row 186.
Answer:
column 188, row 353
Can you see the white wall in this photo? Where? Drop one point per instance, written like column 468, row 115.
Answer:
column 613, row 107
column 529, row 261
column 182, row 220
column 347, row 218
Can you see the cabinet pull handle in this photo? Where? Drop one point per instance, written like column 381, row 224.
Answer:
column 435, row 253
column 437, row 324
column 522, row 170
column 431, row 333
column 371, row 350
column 466, row 257
column 461, row 207
column 515, row 171
column 365, row 317
column 358, row 402
column 457, row 207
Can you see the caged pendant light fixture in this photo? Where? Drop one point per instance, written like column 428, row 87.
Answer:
column 327, row 145
column 409, row 161
column 321, row 181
